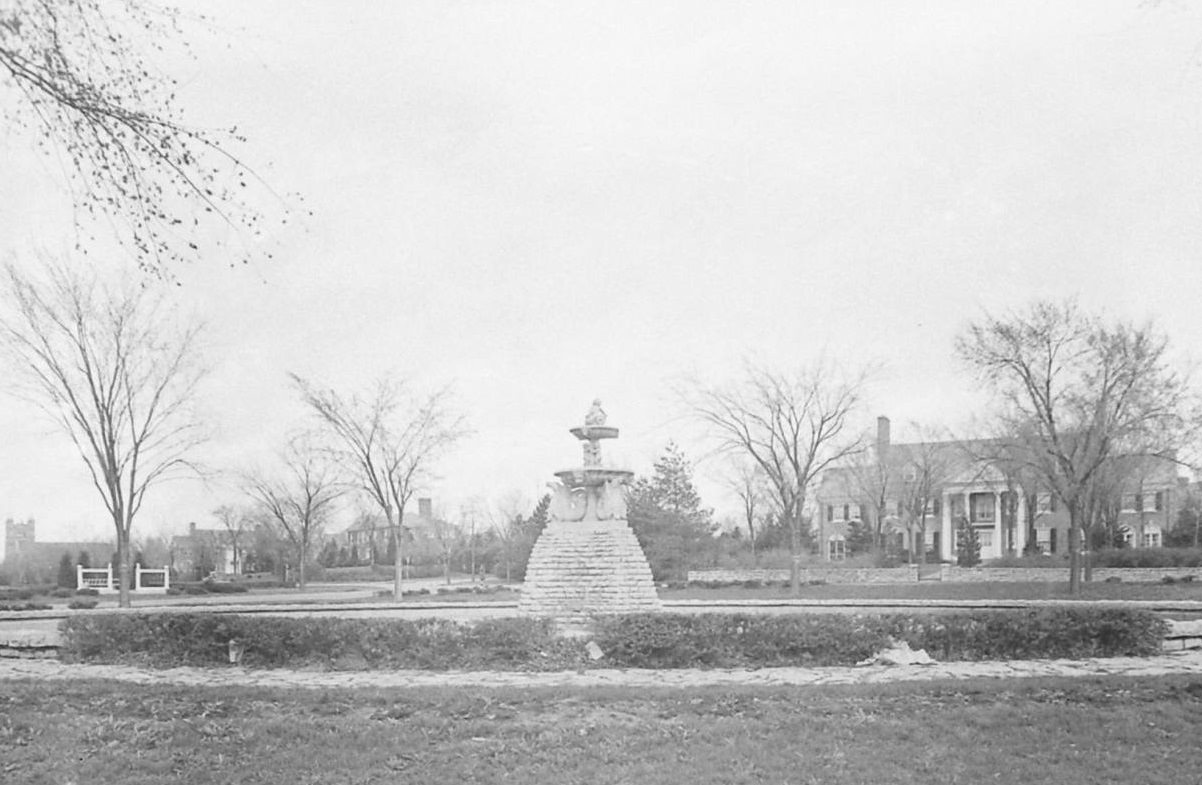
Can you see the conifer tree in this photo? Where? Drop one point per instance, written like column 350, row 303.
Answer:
column 665, row 512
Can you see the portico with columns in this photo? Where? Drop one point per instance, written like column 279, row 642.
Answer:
column 983, row 501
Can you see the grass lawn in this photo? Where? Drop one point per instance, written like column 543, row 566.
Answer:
column 935, row 590
column 1066, row 731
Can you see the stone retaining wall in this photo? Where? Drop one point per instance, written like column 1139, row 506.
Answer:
column 955, row 574
column 948, row 573
column 907, row 574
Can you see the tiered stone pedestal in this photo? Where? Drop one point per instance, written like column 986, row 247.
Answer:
column 583, row 568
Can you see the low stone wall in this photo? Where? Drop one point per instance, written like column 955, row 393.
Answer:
column 953, row 574
column 948, row 573
column 906, row 574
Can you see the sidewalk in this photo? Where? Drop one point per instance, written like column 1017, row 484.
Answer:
column 1183, row 662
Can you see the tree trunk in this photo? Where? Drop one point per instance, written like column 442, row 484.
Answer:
column 795, row 552
column 300, row 566
column 398, row 568
column 123, row 570
column 1074, row 549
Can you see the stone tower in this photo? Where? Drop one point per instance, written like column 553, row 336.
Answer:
column 587, row 560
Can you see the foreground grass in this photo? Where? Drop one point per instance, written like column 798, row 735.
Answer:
column 935, row 590
column 1105, row 730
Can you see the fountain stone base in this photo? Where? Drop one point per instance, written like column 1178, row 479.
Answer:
column 580, row 569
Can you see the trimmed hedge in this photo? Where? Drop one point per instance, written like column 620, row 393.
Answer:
column 753, row 640
column 638, row 640
column 1148, row 557
column 170, row 639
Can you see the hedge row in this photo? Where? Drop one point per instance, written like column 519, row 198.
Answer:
column 639, row 640
column 169, row 639
column 1148, row 557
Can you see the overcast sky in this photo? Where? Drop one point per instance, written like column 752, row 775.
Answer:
column 547, row 202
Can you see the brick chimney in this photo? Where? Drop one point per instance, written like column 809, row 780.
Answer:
column 425, row 508
column 882, row 438
column 192, row 528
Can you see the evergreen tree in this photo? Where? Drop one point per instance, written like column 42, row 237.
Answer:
column 329, row 554
column 665, row 512
column 84, row 560
column 968, row 545
column 66, row 572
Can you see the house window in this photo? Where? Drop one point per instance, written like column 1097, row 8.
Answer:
column 1052, row 507
column 1159, row 501
column 985, row 538
column 859, row 512
column 1152, row 538
column 981, row 507
column 899, row 509
column 937, row 506
column 1139, row 502
column 1052, row 540
column 846, row 514
column 830, row 512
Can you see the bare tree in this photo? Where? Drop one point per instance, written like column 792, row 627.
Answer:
column 1087, row 391
column 505, row 516
column 792, row 425
column 117, row 373
column 870, row 476
column 298, row 496
column 82, row 82
column 388, row 442
column 236, row 521
column 747, row 480
column 923, row 469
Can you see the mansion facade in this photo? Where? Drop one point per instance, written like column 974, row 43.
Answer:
column 923, row 492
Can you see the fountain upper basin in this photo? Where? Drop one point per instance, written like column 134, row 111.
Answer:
column 592, row 476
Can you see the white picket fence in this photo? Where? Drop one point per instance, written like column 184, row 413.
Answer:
column 156, row 581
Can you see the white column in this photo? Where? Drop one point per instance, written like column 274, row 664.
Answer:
column 1020, row 521
column 78, row 576
column 946, row 551
column 998, row 549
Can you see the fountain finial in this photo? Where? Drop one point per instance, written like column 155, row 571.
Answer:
column 596, row 415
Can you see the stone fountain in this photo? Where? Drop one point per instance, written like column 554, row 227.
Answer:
column 587, row 560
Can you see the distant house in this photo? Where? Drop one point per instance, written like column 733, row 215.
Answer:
column 370, row 532
column 969, row 484
column 203, row 552
column 26, row 560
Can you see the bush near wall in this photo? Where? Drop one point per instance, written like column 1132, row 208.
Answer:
column 638, row 640
column 1148, row 557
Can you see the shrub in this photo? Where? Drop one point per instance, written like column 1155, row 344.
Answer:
column 23, row 606
column 77, row 605
column 169, row 639
column 1029, row 561
column 649, row 640
column 62, row 593
column 224, row 587
column 86, row 592
column 746, row 640
column 16, row 594
column 1148, row 557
